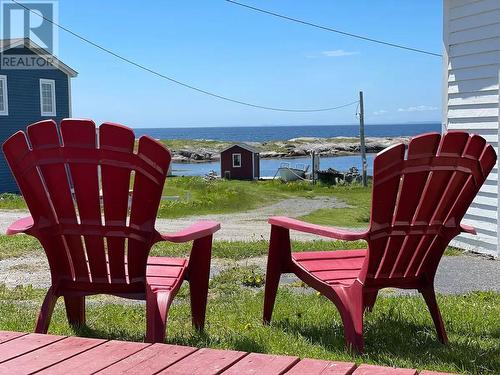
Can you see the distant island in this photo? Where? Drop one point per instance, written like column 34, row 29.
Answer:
column 196, row 151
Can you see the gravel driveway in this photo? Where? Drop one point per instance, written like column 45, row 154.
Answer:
column 245, row 226
column 456, row 274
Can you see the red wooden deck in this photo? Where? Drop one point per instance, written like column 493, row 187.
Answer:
column 22, row 353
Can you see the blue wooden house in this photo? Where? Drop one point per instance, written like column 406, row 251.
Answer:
column 29, row 94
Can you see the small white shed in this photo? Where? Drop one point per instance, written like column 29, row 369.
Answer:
column 471, row 36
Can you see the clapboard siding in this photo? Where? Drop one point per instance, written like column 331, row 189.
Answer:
column 486, row 58
column 475, row 20
column 471, row 34
column 476, row 46
column 476, row 72
column 473, row 85
column 477, row 33
column 24, row 106
column 461, row 98
column 486, row 244
column 467, row 123
column 467, row 8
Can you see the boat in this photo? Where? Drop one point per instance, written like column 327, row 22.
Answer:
column 288, row 173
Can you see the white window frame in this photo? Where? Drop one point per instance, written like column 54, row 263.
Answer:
column 239, row 156
column 53, row 84
column 5, row 112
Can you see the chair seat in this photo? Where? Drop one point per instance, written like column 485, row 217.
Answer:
column 339, row 267
column 165, row 273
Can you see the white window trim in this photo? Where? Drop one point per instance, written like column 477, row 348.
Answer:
column 236, row 166
column 53, row 84
column 5, row 112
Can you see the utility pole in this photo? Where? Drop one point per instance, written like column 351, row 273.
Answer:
column 362, row 138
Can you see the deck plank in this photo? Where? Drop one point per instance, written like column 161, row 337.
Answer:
column 150, row 360
column 321, row 367
column 7, row 335
column 48, row 355
column 25, row 344
column 256, row 363
column 206, row 362
column 382, row 370
column 95, row 359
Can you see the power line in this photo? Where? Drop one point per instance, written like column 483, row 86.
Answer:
column 334, row 30
column 173, row 80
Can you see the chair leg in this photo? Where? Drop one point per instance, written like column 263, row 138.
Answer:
column 157, row 305
column 75, row 310
column 351, row 311
column 430, row 299
column 369, row 300
column 45, row 314
column 199, row 278
column 279, row 253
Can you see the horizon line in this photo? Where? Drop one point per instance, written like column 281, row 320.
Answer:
column 282, row 125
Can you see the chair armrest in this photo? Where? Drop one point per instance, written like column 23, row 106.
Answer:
column 320, row 230
column 195, row 231
column 20, row 226
column 464, row 228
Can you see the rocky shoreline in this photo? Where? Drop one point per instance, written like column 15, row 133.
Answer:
column 198, row 151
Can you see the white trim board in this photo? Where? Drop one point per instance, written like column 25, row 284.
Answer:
column 39, row 51
column 232, row 159
column 5, row 112
column 52, row 83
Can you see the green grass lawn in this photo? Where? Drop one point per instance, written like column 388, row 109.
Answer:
column 399, row 332
column 355, row 216
column 223, row 196
column 198, row 197
column 10, row 201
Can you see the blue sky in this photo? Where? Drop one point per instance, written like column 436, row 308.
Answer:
column 252, row 57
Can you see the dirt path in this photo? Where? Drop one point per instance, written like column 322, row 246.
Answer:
column 244, row 226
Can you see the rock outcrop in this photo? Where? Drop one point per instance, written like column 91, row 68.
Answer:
column 292, row 148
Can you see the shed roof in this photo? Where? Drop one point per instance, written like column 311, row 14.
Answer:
column 6, row 44
column 243, row 145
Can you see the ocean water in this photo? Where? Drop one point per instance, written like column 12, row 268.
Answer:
column 268, row 167
column 276, row 133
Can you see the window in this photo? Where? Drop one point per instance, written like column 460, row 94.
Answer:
column 4, row 105
column 237, row 160
column 48, row 97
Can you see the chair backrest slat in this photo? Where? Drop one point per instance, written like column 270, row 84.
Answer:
column 115, row 191
column 419, row 200
column 81, row 134
column 411, row 197
column 384, row 202
column 18, row 154
column 44, row 136
column 76, row 185
column 145, row 201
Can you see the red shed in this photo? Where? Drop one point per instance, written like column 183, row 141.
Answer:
column 240, row 162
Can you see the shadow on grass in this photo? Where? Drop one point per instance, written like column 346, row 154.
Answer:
column 116, row 334
column 387, row 337
column 248, row 344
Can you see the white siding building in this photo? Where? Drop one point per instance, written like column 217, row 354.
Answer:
column 471, row 35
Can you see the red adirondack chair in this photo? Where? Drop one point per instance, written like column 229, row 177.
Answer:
column 417, row 205
column 98, row 243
